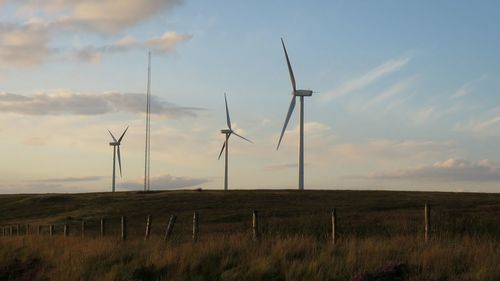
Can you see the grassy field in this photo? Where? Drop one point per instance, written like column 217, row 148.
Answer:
column 375, row 227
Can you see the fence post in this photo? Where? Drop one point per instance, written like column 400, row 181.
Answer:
column 83, row 228
column 148, row 227
column 27, row 229
column 39, row 230
column 124, row 228
column 196, row 230
column 51, row 230
column 11, row 230
column 427, row 221
column 334, row 226
column 103, row 227
column 66, row 230
column 255, row 225
column 170, row 226
column 18, row 230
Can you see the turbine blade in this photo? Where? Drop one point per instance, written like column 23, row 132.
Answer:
column 119, row 161
column 114, row 139
column 243, row 137
column 227, row 114
column 222, row 150
column 120, row 139
column 290, row 111
column 292, row 78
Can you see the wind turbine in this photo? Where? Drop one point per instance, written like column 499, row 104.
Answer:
column 116, row 147
column 296, row 93
column 228, row 133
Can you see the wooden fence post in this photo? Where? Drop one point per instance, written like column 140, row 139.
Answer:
column 334, row 226
column 27, row 229
column 11, row 230
column 39, row 230
column 170, row 226
column 66, row 230
column 255, row 225
column 103, row 227
column 148, row 227
column 83, row 228
column 124, row 228
column 196, row 230
column 18, row 230
column 51, row 230
column 427, row 221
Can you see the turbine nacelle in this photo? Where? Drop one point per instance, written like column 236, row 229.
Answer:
column 114, row 143
column 226, row 131
column 302, row 93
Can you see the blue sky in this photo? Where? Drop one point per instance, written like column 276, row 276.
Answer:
column 408, row 93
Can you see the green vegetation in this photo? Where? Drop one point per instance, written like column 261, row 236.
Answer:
column 375, row 227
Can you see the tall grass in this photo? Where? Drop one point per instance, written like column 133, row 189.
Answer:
column 237, row 257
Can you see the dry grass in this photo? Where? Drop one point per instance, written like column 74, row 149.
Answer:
column 375, row 228
column 236, row 257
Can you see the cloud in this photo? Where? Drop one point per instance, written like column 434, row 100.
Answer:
column 488, row 125
column 165, row 182
column 386, row 97
column 280, row 167
column 422, row 115
column 165, row 44
column 68, row 103
column 70, row 179
column 105, row 16
column 467, row 88
column 29, row 43
column 368, row 78
column 25, row 44
column 391, row 149
column 449, row 170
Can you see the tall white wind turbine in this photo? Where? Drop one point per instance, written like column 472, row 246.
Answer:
column 296, row 93
column 225, row 146
column 116, row 148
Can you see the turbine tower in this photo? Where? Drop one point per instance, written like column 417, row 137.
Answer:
column 147, row 152
column 116, row 147
column 296, row 93
column 228, row 133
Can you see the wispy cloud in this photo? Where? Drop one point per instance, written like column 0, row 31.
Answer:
column 392, row 149
column 368, row 78
column 448, row 170
column 387, row 96
column 165, row 182
column 70, row 179
column 68, row 103
column 280, row 167
column 486, row 123
column 467, row 88
column 421, row 116
column 167, row 43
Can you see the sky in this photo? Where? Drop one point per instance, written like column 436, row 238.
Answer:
column 407, row 94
